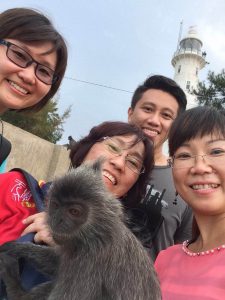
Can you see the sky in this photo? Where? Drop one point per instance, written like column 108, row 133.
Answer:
column 118, row 44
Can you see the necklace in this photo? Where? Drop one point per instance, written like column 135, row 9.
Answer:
column 202, row 253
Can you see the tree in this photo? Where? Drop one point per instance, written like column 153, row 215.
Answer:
column 212, row 93
column 47, row 123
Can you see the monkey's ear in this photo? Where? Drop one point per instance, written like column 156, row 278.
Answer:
column 97, row 165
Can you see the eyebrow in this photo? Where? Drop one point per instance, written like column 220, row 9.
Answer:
column 207, row 142
column 135, row 153
column 163, row 108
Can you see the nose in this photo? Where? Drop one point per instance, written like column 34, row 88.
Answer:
column 118, row 162
column 201, row 165
column 28, row 74
column 154, row 118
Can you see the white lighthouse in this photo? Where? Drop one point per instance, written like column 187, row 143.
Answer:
column 187, row 61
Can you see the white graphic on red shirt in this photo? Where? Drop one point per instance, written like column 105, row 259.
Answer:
column 20, row 192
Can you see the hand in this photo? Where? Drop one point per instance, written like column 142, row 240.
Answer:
column 38, row 223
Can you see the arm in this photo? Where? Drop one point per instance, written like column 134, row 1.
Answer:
column 11, row 279
column 44, row 258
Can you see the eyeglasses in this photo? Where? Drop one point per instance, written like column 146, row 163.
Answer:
column 23, row 59
column 182, row 161
column 133, row 163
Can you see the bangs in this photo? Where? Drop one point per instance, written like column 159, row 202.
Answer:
column 196, row 122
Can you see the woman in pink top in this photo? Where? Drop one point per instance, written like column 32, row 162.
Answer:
column 196, row 269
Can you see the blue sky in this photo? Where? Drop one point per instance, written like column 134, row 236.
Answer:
column 118, row 43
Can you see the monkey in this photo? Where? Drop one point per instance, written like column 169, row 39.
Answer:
column 96, row 256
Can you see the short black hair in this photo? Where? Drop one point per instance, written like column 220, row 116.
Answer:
column 164, row 84
column 196, row 122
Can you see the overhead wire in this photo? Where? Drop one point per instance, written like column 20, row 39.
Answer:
column 98, row 84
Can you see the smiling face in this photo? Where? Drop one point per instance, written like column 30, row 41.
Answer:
column 154, row 114
column 201, row 181
column 118, row 170
column 19, row 87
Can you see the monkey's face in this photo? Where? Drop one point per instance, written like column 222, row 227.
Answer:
column 66, row 218
column 81, row 210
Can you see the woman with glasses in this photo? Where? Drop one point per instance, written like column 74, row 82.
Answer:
column 196, row 269
column 33, row 59
column 128, row 161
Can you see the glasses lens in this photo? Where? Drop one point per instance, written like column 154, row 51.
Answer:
column 18, row 56
column 112, row 147
column 45, row 74
column 134, row 164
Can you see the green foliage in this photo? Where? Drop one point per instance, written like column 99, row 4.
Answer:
column 47, row 123
column 212, row 93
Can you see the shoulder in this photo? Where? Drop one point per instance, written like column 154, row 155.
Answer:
column 11, row 176
column 168, row 255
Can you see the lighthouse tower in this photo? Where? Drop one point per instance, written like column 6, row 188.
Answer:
column 187, row 61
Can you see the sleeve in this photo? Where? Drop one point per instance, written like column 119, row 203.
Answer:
column 16, row 204
column 184, row 231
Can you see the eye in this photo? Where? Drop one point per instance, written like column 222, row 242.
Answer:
column 147, row 109
column 217, row 152
column 167, row 116
column 19, row 55
column 44, row 71
column 75, row 211
column 182, row 156
column 113, row 148
column 54, row 204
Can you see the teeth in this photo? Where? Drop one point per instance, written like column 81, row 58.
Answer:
column 110, row 177
column 19, row 88
column 204, row 186
column 150, row 132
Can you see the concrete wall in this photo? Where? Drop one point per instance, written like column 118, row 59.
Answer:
column 39, row 157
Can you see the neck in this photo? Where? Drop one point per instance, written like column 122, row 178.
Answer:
column 212, row 233
column 160, row 158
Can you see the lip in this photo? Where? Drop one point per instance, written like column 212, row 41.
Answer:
column 111, row 177
column 19, row 88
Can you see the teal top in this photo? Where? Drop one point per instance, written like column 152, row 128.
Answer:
column 3, row 166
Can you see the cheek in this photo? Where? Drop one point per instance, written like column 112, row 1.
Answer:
column 42, row 90
column 129, row 182
column 178, row 177
column 167, row 125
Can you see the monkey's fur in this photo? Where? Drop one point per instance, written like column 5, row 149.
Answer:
column 96, row 258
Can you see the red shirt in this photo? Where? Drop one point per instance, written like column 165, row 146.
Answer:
column 16, row 204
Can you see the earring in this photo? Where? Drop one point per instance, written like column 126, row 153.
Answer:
column 175, row 200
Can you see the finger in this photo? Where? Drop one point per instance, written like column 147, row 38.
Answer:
column 35, row 217
column 44, row 237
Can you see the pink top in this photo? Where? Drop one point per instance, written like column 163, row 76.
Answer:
column 185, row 277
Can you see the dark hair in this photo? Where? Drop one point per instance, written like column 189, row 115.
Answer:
column 82, row 147
column 164, row 84
column 28, row 25
column 195, row 122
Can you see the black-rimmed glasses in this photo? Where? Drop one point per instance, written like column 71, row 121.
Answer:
column 23, row 59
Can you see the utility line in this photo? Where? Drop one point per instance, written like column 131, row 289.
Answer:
column 97, row 84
